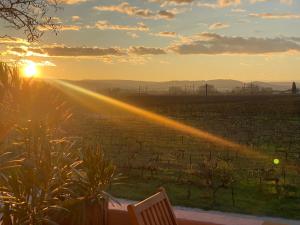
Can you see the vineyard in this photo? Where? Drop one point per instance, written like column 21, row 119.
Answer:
column 197, row 173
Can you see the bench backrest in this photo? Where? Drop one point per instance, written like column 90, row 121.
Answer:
column 155, row 210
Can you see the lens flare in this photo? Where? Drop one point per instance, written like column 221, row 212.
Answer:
column 175, row 125
column 276, row 161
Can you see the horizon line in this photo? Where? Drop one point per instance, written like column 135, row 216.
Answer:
column 164, row 81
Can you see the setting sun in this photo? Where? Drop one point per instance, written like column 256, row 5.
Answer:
column 30, row 70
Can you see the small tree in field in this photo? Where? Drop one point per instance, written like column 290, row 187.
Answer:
column 294, row 88
column 28, row 15
column 217, row 174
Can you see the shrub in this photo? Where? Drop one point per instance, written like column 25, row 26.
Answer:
column 44, row 176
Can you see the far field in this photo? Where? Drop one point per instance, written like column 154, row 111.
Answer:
column 197, row 173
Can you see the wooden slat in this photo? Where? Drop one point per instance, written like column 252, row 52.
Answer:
column 158, row 213
column 149, row 201
column 149, row 216
column 166, row 212
column 170, row 211
column 163, row 213
column 145, row 218
column 154, row 215
column 155, row 210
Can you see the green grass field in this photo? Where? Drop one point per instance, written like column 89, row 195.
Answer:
column 197, row 173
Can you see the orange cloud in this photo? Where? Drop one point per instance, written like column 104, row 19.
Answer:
column 146, row 51
column 169, row 34
column 216, row 26
column 61, row 28
column 126, row 8
column 70, row 2
column 275, row 15
column 219, row 4
column 105, row 25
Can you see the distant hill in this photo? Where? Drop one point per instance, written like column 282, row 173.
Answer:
column 151, row 86
column 279, row 86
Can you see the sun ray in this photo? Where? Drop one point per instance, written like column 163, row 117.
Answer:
column 159, row 119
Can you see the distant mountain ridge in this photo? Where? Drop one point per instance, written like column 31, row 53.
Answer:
column 156, row 86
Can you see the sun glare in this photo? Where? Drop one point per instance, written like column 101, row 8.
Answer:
column 196, row 132
column 30, row 70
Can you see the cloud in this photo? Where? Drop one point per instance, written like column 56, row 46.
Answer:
column 296, row 39
column 166, row 14
column 226, row 3
column 126, row 8
column 275, row 15
column 64, row 51
column 219, row 4
column 164, row 3
column 105, row 25
column 287, row 2
column 174, row 1
column 238, row 10
column 13, row 40
column 100, row 25
column 216, row 26
column 168, row 34
column 212, row 44
column 60, row 28
column 133, row 35
column 70, row 2
column 180, row 1
column 82, row 51
column 76, row 18
column 38, row 63
column 208, row 5
column 56, row 19
column 25, row 51
column 146, row 51
column 256, row 1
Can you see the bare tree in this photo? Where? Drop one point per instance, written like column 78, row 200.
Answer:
column 31, row 16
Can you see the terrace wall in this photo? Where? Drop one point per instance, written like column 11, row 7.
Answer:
column 118, row 215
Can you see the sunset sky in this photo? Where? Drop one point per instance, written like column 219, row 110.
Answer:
column 166, row 40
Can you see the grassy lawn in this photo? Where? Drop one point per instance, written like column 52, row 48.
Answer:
column 248, row 198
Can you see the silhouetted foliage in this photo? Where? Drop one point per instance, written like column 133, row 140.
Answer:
column 42, row 173
column 28, row 15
